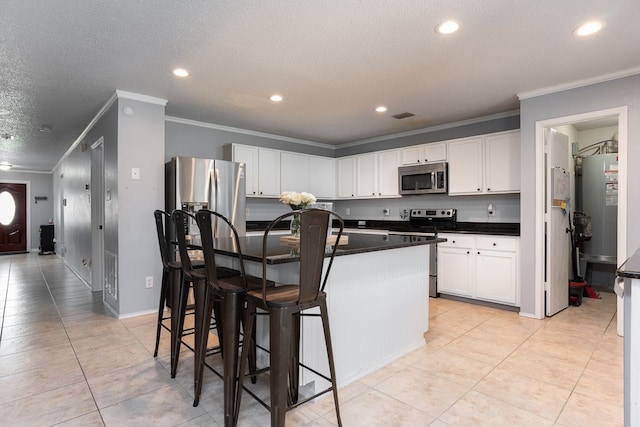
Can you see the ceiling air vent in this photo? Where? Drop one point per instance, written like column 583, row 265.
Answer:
column 403, row 115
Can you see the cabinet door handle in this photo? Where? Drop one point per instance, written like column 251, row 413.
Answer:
column 453, row 241
column 478, row 189
column 478, row 252
column 488, row 189
column 467, row 252
column 495, row 244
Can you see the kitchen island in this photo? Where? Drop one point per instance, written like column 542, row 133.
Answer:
column 377, row 295
column 630, row 272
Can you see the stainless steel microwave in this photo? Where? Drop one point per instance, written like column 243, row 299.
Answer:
column 426, row 178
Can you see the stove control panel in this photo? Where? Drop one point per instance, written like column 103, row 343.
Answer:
column 432, row 214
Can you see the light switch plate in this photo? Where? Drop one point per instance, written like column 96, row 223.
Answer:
column 135, row 173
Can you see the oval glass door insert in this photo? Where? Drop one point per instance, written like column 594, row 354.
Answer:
column 7, row 208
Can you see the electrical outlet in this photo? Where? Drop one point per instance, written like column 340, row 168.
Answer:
column 404, row 213
column 386, row 211
column 149, row 282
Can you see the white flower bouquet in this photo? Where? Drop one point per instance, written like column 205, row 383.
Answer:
column 297, row 200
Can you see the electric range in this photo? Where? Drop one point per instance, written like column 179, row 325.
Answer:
column 428, row 222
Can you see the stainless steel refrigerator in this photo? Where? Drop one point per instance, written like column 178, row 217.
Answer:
column 193, row 184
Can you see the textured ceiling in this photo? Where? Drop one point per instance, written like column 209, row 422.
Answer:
column 333, row 61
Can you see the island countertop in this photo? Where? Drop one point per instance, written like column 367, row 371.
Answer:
column 278, row 253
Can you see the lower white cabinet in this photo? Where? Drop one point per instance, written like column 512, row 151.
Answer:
column 483, row 267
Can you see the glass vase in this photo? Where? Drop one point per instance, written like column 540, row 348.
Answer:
column 294, row 225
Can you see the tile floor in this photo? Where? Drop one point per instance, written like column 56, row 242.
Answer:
column 64, row 360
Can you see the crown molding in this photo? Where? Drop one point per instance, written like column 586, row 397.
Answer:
column 579, row 83
column 247, row 132
column 142, row 98
column 432, row 128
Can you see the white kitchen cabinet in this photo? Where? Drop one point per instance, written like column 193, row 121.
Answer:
column 388, row 162
column 488, row 164
column 248, row 156
column 346, row 177
column 366, row 175
column 496, row 269
column 482, row 267
column 455, row 267
column 322, row 177
column 465, row 166
column 502, row 163
column 425, row 153
column 294, row 172
column 268, row 173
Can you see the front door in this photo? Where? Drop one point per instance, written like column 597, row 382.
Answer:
column 13, row 217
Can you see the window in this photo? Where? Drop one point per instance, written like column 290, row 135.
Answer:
column 7, row 208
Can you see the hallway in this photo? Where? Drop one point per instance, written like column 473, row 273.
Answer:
column 65, row 360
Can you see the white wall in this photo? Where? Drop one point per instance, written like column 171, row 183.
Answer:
column 611, row 94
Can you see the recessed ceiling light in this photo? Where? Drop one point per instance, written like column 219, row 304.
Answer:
column 447, row 27
column 45, row 128
column 180, row 72
column 381, row 109
column 276, row 98
column 7, row 136
column 588, row 28
column 5, row 166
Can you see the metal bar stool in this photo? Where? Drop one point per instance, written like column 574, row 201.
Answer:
column 217, row 231
column 197, row 278
column 284, row 304
column 169, row 289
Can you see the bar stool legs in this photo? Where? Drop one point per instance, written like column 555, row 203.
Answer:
column 284, row 343
column 163, row 296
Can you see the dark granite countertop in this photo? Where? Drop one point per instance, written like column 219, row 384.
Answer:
column 494, row 228
column 278, row 253
column 631, row 267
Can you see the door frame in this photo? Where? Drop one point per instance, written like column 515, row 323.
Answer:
column 28, row 213
column 97, row 215
column 619, row 112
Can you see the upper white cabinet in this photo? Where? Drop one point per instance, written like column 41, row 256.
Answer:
column 346, row 177
column 366, row 175
column 294, row 172
column 465, row 166
column 388, row 162
column 485, row 164
column 369, row 175
column 262, row 169
column 502, row 162
column 322, row 177
column 425, row 153
column 270, row 172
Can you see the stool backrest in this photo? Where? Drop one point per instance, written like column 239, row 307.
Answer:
column 314, row 226
column 210, row 231
column 180, row 218
column 161, row 218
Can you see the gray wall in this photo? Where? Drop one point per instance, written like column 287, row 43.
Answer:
column 141, row 144
column 435, row 134
column 71, row 177
column 40, row 184
column 611, row 94
column 207, row 141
